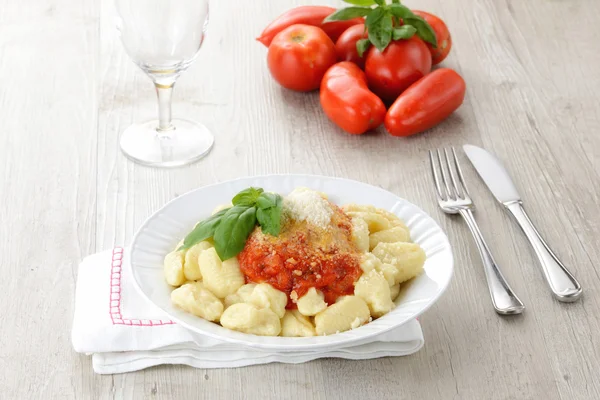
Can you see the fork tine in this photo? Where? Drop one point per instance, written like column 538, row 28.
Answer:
column 460, row 174
column 436, row 179
column 444, row 176
column 451, row 169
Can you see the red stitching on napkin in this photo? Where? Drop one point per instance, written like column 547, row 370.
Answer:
column 114, row 300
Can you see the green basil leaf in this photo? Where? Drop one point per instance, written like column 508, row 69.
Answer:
column 400, row 11
column 348, row 13
column 268, row 214
column 380, row 2
column 203, row 230
column 363, row 3
column 233, row 231
column 395, row 1
column 404, row 32
column 380, row 31
column 362, row 45
column 374, row 17
column 424, row 30
column 247, row 197
column 268, row 200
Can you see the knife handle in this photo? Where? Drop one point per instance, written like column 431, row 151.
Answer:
column 505, row 301
column 563, row 284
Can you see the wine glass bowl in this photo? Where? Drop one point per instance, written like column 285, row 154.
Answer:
column 163, row 37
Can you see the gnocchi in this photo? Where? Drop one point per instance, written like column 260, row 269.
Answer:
column 173, row 268
column 375, row 222
column 348, row 312
column 191, row 269
column 373, row 288
column 360, row 234
column 381, row 256
column 409, row 258
column 294, row 324
column 248, row 318
column 196, row 299
column 311, row 303
column 220, row 277
column 395, row 234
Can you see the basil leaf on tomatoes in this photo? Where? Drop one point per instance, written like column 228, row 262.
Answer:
column 348, row 13
column 362, row 46
column 404, row 32
column 379, row 24
column 363, row 3
column 233, row 231
column 424, row 30
column 400, row 11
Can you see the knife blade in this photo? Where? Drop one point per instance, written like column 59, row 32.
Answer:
column 563, row 284
column 493, row 174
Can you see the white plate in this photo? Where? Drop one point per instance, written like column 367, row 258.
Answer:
column 161, row 232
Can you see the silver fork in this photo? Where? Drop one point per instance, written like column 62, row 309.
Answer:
column 454, row 198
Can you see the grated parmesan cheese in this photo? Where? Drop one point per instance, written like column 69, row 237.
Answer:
column 304, row 204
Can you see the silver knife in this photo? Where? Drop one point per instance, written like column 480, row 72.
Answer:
column 563, row 284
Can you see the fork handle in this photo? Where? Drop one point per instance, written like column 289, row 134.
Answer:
column 505, row 301
column 563, row 284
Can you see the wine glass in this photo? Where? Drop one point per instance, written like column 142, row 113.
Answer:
column 163, row 38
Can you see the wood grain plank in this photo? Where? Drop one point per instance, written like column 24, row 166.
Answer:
column 47, row 189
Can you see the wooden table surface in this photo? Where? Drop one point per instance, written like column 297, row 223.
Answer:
column 68, row 91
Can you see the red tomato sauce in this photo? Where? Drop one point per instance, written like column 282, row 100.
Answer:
column 304, row 256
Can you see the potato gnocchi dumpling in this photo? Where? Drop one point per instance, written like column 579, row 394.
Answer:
column 375, row 222
column 266, row 296
column 196, row 299
column 394, row 291
column 216, row 290
column 311, row 303
column 348, row 312
column 369, row 262
column 241, row 296
column 248, row 318
column 191, row 269
column 373, row 288
column 173, row 268
column 409, row 258
column 395, row 234
column 220, row 277
column 294, row 324
column 360, row 234
column 391, row 217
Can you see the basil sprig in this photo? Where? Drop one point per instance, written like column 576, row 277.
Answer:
column 384, row 23
column 231, row 227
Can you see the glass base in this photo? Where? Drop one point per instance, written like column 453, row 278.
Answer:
column 187, row 143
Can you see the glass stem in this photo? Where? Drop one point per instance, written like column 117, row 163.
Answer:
column 164, row 92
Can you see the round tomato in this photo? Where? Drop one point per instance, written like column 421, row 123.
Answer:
column 426, row 103
column 402, row 63
column 347, row 100
column 299, row 57
column 444, row 40
column 345, row 46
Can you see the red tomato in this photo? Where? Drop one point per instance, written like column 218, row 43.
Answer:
column 444, row 40
column 426, row 103
column 299, row 56
column 345, row 47
column 347, row 100
column 307, row 15
column 401, row 64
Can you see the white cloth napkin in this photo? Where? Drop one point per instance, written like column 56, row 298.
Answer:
column 124, row 332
